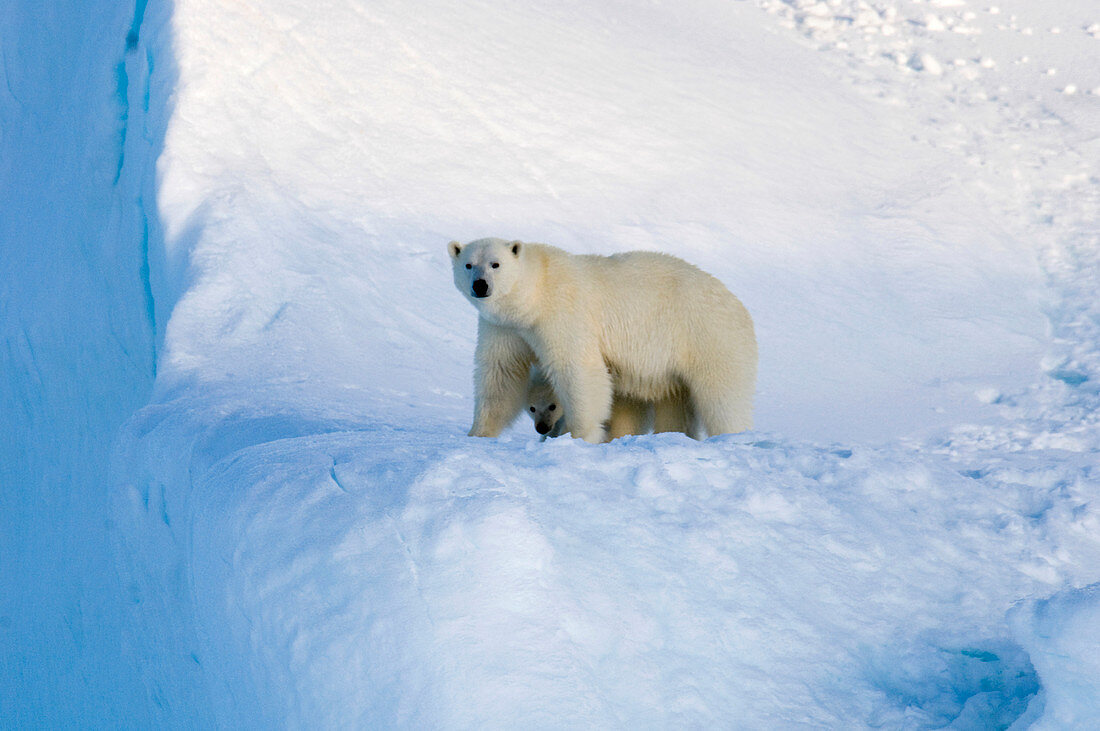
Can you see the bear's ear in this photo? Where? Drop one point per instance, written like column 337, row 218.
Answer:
column 455, row 248
column 515, row 247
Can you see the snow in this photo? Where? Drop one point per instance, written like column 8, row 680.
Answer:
column 284, row 524
column 77, row 354
column 1062, row 634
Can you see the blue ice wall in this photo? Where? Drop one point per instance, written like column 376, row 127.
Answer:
column 78, row 139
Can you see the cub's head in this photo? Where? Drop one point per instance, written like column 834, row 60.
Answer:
column 486, row 270
column 543, row 406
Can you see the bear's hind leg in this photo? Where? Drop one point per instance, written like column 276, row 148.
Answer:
column 628, row 416
column 675, row 413
column 721, row 412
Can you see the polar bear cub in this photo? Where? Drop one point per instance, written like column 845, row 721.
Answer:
column 647, row 326
column 628, row 416
column 542, row 405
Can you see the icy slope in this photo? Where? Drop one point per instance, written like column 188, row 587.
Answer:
column 76, row 349
column 308, row 539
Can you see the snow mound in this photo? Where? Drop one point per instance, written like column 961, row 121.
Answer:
column 412, row 577
column 1062, row 636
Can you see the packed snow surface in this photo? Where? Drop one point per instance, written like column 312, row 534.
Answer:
column 904, row 194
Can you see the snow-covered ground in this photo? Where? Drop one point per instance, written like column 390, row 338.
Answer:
column 905, row 194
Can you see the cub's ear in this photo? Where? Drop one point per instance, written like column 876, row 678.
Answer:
column 455, row 249
column 515, row 247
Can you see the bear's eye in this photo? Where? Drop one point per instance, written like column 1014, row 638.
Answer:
column 468, row 266
column 496, row 265
column 553, row 406
column 532, row 409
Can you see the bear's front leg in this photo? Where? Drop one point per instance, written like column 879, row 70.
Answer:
column 585, row 392
column 503, row 362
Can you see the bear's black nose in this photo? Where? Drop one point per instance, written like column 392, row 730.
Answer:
column 542, row 427
column 481, row 288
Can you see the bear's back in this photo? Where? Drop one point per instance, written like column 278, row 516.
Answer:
column 658, row 286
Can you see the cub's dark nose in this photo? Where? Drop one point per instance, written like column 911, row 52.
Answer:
column 481, row 288
column 542, row 427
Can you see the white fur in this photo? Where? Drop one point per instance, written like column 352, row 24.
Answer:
column 644, row 326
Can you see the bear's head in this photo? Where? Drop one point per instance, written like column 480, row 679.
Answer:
column 543, row 406
column 486, row 271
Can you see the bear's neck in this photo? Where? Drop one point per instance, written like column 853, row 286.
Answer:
column 516, row 310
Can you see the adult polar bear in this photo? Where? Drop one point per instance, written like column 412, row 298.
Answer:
column 641, row 325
